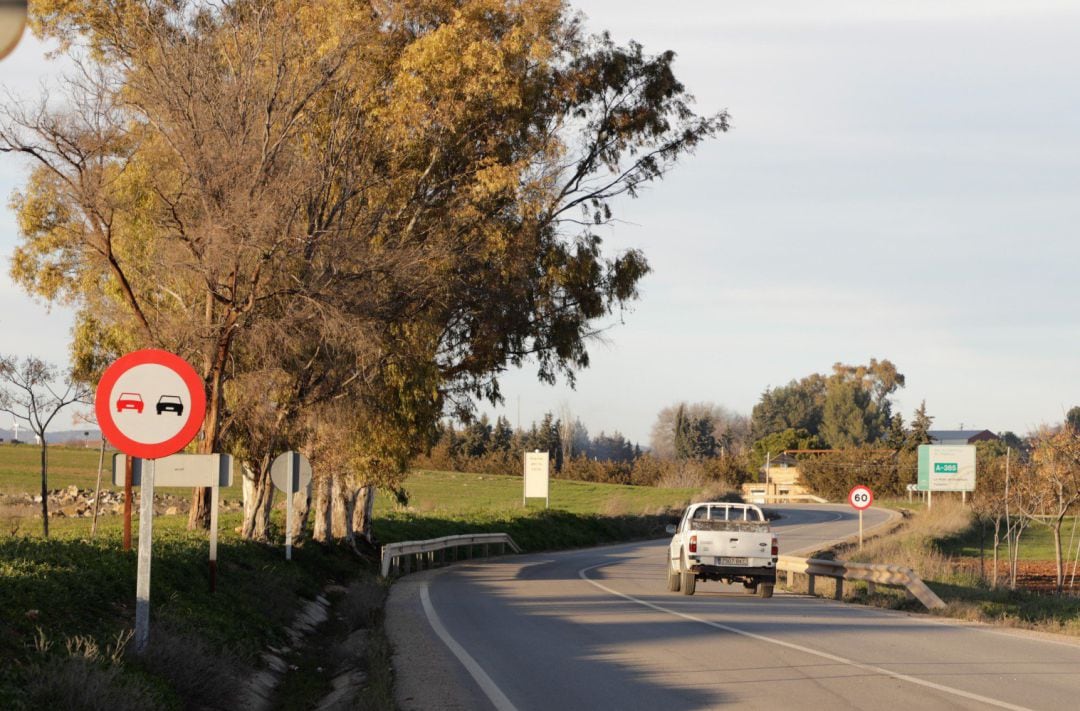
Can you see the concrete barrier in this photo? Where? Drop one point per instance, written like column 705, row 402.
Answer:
column 400, row 557
column 871, row 573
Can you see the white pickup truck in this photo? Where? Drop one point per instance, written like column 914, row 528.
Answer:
column 722, row 541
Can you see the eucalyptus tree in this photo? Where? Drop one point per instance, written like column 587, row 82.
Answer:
column 387, row 210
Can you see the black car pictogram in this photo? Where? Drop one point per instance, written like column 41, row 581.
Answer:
column 170, row 403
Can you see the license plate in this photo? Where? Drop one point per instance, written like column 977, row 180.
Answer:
column 731, row 561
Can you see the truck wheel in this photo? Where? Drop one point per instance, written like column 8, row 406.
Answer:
column 689, row 582
column 672, row 579
column 765, row 590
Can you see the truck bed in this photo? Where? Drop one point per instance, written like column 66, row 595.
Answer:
column 704, row 524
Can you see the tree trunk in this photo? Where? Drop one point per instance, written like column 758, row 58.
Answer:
column 997, row 547
column 1058, row 568
column 258, row 504
column 199, row 516
column 341, row 505
column 301, row 509
column 321, row 509
column 363, row 508
column 44, row 486
column 97, row 488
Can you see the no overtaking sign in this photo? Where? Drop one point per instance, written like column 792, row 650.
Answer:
column 150, row 404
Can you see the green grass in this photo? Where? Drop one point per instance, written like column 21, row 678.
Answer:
column 68, row 587
column 20, row 470
column 581, row 513
column 438, row 493
column 1036, row 543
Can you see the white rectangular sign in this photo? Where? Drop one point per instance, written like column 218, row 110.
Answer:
column 946, row 467
column 180, row 470
column 536, row 475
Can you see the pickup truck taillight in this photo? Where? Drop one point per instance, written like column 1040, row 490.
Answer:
column 775, row 547
column 693, row 544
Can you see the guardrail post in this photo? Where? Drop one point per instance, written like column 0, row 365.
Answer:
column 485, row 550
column 810, row 584
column 407, row 563
column 839, row 594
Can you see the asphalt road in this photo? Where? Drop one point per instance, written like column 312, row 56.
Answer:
column 596, row 629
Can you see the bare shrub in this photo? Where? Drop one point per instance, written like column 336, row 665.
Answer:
column 913, row 547
column 362, row 603
column 88, row 678
column 201, row 676
column 718, row 492
column 615, row 506
column 685, row 475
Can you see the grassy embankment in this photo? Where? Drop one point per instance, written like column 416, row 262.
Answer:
column 66, row 603
column 942, row 546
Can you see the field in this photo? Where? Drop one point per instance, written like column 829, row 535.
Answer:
column 20, row 470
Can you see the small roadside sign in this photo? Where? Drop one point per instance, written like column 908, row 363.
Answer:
column 860, row 497
column 536, row 477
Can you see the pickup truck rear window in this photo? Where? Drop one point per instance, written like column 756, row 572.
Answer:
column 704, row 524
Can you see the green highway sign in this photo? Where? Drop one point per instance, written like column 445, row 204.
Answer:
column 946, row 467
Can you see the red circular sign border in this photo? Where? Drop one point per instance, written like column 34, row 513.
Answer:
column 868, row 504
column 168, row 360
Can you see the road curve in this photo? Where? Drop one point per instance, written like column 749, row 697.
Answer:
column 596, row 629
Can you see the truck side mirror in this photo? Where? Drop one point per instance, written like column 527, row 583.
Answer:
column 670, row 528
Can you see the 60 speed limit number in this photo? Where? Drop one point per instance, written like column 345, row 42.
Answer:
column 860, row 497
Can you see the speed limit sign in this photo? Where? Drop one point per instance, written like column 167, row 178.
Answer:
column 860, row 497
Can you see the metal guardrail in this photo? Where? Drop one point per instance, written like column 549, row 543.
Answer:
column 401, row 556
column 871, row 573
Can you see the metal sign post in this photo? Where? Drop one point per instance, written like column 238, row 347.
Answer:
column 142, row 575
column 291, row 473
column 290, row 470
column 127, row 503
column 202, row 471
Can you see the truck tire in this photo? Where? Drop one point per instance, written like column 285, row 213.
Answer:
column 673, row 581
column 765, row 590
column 689, row 582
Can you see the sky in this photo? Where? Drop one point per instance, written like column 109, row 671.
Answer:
column 900, row 181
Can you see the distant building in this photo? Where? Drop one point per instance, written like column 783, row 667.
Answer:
column 779, row 482
column 954, row 437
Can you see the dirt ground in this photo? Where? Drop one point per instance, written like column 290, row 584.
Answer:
column 1035, row 575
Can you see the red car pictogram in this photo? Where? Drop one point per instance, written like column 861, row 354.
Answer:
column 130, row 401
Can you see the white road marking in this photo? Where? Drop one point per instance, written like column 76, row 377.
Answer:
column 493, row 692
column 800, row 648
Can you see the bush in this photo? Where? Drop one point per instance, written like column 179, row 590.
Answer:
column 832, row 474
